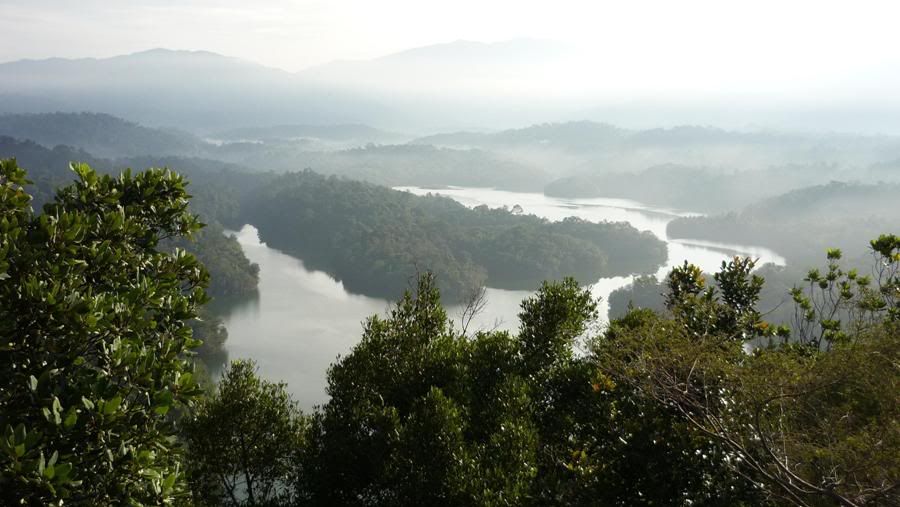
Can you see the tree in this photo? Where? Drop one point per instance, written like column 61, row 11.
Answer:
column 839, row 304
column 94, row 339
column 808, row 423
column 421, row 414
column 243, row 440
column 727, row 310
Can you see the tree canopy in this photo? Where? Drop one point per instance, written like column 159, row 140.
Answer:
column 374, row 239
column 93, row 319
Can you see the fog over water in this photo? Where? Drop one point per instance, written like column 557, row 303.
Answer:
column 303, row 319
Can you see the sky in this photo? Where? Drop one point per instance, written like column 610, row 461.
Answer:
column 806, row 54
column 786, row 37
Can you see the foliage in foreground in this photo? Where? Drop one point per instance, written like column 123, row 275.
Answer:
column 421, row 414
column 93, row 337
column 813, row 419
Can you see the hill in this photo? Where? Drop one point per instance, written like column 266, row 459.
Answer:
column 338, row 150
column 194, row 90
column 391, row 165
column 803, row 223
column 101, row 134
column 374, row 239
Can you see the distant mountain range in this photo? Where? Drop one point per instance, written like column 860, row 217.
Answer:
column 453, row 86
column 193, row 90
column 454, row 65
column 207, row 92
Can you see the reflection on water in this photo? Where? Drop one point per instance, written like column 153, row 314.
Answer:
column 298, row 324
column 302, row 320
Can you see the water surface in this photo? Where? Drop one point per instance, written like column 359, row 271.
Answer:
column 303, row 320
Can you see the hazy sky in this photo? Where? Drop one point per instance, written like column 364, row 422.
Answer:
column 790, row 37
column 807, row 53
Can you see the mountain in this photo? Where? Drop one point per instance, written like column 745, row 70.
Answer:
column 193, row 90
column 437, row 88
column 455, row 85
column 450, row 64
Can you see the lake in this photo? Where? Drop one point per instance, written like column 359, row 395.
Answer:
column 303, row 320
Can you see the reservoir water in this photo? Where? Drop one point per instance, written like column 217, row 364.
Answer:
column 303, row 320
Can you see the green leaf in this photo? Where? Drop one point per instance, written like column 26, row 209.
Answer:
column 62, row 472
column 71, row 418
column 111, row 405
column 169, row 482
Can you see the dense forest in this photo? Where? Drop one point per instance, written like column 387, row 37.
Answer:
column 374, row 239
column 101, row 403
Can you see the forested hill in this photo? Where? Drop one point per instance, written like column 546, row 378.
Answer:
column 100, row 134
column 374, row 238
column 803, row 223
